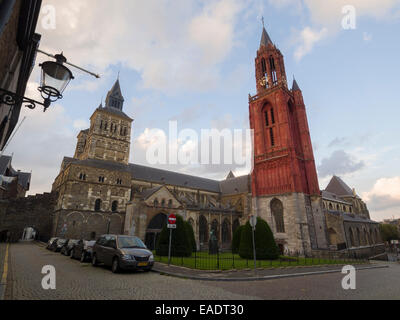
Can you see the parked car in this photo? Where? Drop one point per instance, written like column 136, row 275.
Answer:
column 50, row 242
column 122, row 253
column 57, row 245
column 66, row 249
column 83, row 251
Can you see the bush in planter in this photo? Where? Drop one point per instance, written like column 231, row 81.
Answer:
column 266, row 248
column 236, row 239
column 181, row 245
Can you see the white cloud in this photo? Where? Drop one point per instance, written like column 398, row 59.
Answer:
column 174, row 45
column 81, row 124
column 326, row 17
column 384, row 198
column 308, row 39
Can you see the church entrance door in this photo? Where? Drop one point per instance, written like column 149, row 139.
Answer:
column 154, row 229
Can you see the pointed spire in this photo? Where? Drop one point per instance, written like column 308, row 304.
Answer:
column 265, row 38
column 295, row 86
column 114, row 97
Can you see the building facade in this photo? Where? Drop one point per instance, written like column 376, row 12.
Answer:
column 99, row 191
column 18, row 44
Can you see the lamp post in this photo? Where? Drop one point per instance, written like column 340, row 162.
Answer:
column 55, row 77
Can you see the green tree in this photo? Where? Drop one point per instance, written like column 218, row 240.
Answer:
column 266, row 248
column 236, row 239
column 181, row 245
column 389, row 232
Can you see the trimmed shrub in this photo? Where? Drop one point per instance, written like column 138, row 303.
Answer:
column 181, row 245
column 190, row 235
column 266, row 248
column 236, row 239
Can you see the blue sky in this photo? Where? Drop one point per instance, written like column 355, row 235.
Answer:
column 193, row 61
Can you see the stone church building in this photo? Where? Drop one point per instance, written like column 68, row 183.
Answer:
column 100, row 192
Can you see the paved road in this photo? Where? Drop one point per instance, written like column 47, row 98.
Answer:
column 82, row 281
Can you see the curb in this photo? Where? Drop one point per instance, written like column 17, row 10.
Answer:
column 279, row 276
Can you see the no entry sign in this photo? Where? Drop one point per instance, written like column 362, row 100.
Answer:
column 172, row 219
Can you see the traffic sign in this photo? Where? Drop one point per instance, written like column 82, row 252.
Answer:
column 172, row 226
column 172, row 219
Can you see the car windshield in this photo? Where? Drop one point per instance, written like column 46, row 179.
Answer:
column 130, row 242
column 62, row 241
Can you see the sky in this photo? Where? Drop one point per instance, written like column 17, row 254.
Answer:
column 193, row 61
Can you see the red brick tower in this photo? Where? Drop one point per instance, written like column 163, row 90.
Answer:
column 284, row 167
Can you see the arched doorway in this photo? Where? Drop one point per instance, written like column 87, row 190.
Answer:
column 29, row 234
column 154, row 229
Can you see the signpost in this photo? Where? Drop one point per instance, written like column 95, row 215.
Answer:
column 171, row 226
column 253, row 223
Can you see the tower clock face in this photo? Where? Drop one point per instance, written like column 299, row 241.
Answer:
column 263, row 82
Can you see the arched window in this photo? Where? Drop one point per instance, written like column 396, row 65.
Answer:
column 203, row 230
column 170, row 203
column 97, row 205
column 226, row 235
column 114, row 206
column 277, row 213
column 271, row 135
column 156, row 202
column 163, row 203
column 215, row 229
column 273, row 70
column 330, row 206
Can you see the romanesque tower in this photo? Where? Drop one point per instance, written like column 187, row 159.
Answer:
column 110, row 131
column 284, row 180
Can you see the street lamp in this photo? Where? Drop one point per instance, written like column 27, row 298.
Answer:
column 55, row 77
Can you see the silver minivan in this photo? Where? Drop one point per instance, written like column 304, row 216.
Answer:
column 122, row 253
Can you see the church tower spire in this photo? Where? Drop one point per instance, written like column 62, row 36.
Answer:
column 270, row 65
column 114, row 97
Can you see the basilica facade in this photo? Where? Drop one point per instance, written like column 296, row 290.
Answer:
column 100, row 192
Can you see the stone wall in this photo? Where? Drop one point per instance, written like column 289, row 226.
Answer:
column 86, row 225
column 33, row 211
column 297, row 234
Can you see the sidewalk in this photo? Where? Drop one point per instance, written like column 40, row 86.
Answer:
column 251, row 275
column 3, row 247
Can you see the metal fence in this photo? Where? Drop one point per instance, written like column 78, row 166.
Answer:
column 232, row 261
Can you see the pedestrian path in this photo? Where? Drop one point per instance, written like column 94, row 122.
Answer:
column 3, row 268
column 254, row 275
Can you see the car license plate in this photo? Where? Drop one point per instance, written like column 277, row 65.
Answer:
column 143, row 264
